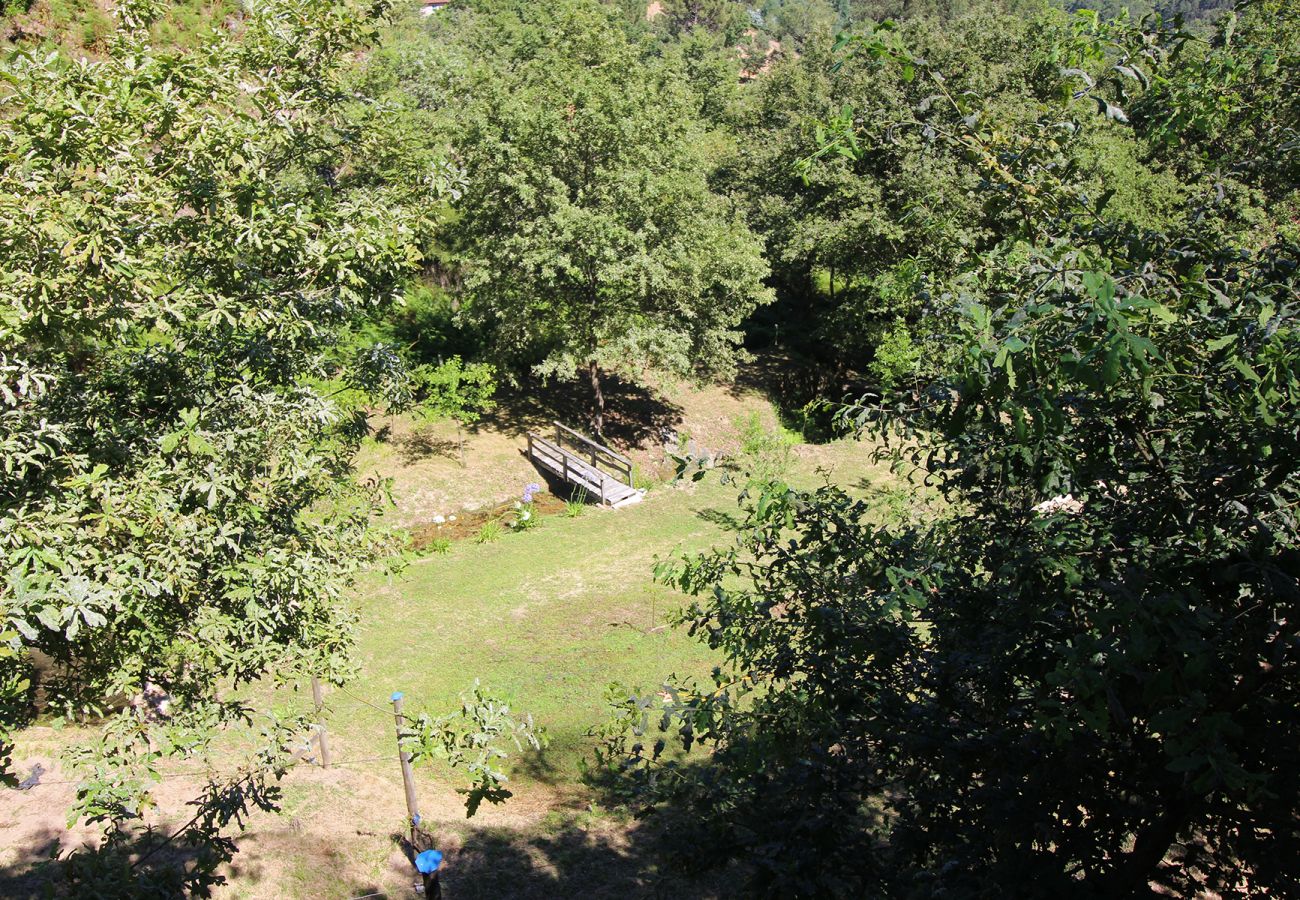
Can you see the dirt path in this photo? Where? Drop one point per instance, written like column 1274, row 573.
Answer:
column 340, row 835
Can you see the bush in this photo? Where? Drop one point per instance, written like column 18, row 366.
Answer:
column 897, row 357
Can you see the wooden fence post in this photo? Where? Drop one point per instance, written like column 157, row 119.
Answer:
column 321, row 735
column 408, row 776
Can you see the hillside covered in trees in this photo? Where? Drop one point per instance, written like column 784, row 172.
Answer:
column 1029, row 270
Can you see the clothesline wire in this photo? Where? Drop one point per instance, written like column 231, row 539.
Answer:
column 213, row 773
column 200, row 773
column 345, row 692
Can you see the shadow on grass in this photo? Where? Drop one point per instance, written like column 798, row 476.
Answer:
column 422, row 444
column 635, row 416
column 804, row 394
column 574, row 852
column 571, row 855
column 537, row 765
column 34, row 868
column 44, row 869
column 41, row 871
column 724, row 520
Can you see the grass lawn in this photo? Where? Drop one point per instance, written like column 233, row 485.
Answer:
column 547, row 618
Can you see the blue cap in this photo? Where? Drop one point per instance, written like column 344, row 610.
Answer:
column 397, row 695
column 428, row 862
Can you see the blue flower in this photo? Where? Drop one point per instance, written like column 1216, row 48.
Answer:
column 428, row 862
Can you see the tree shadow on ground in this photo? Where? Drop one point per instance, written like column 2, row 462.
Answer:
column 577, row 851
column 803, row 393
column 581, row 856
column 29, row 875
column 421, row 443
column 725, row 520
column 635, row 416
column 537, row 765
column 46, row 867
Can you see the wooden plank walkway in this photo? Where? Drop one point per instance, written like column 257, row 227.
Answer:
column 596, row 469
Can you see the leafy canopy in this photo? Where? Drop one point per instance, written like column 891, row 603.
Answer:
column 588, row 234
column 181, row 241
column 1077, row 674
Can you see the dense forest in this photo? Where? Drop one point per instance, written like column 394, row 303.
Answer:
column 1043, row 259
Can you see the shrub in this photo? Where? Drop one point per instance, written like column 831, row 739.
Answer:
column 897, row 357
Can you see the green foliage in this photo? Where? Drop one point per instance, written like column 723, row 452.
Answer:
column 523, row 518
column 88, row 26
column 471, row 738
column 426, row 324
column 796, row 22
column 588, row 233
column 1078, row 676
column 870, row 244
column 455, row 390
column 180, row 246
column 14, row 7
column 489, row 532
column 15, row 699
column 766, row 456
column 440, row 545
column 897, row 357
column 450, row 389
column 1191, row 10
column 726, row 18
column 576, row 505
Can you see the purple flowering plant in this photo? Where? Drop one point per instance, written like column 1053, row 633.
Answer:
column 525, row 515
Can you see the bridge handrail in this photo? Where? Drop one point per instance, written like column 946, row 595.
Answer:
column 580, row 468
column 619, row 462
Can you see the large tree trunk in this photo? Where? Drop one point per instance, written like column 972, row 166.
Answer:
column 1137, row 867
column 598, row 398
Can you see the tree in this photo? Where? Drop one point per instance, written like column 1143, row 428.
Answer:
column 726, row 18
column 455, row 390
column 179, row 245
column 795, row 23
column 864, row 247
column 1075, row 673
column 590, row 239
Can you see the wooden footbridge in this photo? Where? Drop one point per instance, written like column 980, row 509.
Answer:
column 582, row 463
